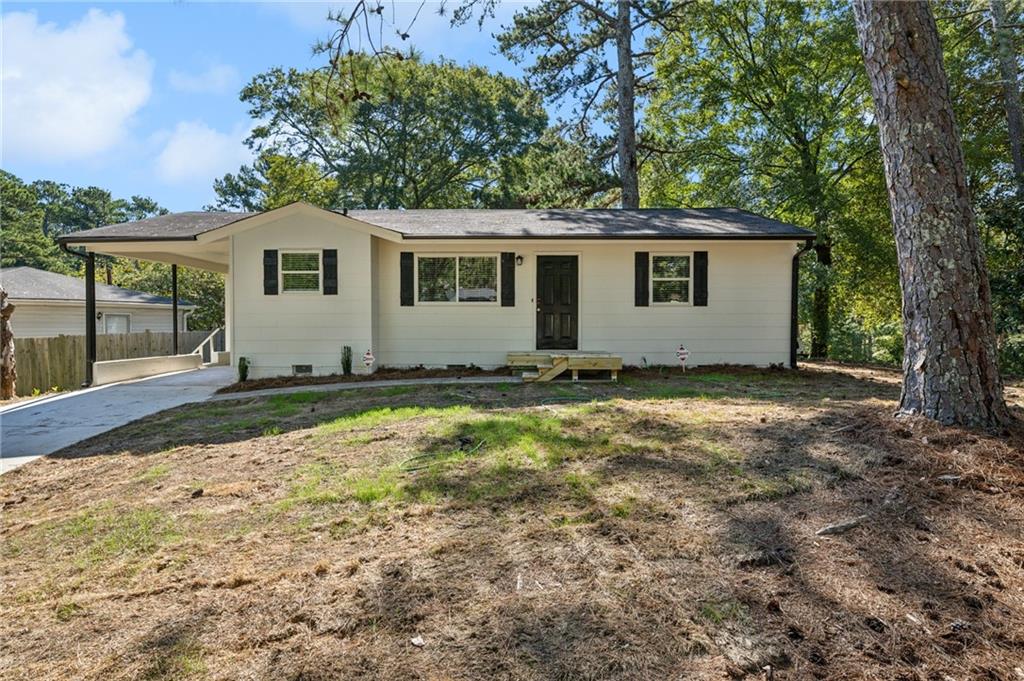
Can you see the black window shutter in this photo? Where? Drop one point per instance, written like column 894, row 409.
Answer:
column 270, row 272
column 700, row 278
column 643, row 281
column 330, row 262
column 508, row 279
column 406, row 265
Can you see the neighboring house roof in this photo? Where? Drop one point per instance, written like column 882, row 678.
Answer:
column 654, row 223
column 28, row 283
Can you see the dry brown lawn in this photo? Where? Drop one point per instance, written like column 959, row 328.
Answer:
column 662, row 528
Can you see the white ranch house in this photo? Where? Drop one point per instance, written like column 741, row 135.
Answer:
column 458, row 287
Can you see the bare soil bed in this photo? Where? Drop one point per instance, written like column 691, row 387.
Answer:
column 664, row 527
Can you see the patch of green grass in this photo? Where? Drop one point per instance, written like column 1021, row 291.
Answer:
column 67, row 610
column 713, row 377
column 181, row 660
column 720, row 458
column 104, row 534
column 581, row 486
column 272, row 431
column 676, row 391
column 317, row 484
column 292, row 403
column 369, row 490
column 154, row 473
column 380, row 416
column 393, row 390
column 771, row 489
column 258, row 423
column 624, row 508
column 724, row 610
column 523, row 436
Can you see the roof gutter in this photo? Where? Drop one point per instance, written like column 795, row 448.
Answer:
column 794, row 309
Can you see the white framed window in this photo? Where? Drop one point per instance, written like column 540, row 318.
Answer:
column 300, row 271
column 117, row 323
column 457, row 279
column 670, row 278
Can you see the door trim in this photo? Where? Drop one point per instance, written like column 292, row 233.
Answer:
column 579, row 293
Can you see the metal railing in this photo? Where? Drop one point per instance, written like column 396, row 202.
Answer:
column 212, row 343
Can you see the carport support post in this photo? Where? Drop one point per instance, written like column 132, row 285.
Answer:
column 174, row 308
column 90, row 316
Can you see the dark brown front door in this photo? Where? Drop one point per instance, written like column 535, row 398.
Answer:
column 557, row 302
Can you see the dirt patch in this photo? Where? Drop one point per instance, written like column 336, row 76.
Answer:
column 383, row 374
column 659, row 528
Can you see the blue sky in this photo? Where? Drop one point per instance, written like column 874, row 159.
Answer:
column 142, row 98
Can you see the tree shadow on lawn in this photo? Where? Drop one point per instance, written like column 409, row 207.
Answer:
column 253, row 416
column 923, row 583
column 625, row 538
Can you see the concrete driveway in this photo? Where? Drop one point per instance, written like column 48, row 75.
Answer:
column 41, row 427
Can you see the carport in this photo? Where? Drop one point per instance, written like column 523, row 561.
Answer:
column 174, row 239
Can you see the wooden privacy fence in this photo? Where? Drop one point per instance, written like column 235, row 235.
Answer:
column 44, row 363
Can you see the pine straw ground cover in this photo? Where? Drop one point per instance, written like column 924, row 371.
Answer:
column 660, row 528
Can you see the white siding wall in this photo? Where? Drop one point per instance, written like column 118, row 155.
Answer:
column 746, row 320
column 277, row 331
column 42, row 320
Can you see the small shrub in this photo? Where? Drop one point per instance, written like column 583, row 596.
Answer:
column 243, row 369
column 346, row 360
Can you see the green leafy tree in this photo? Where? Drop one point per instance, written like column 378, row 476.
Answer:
column 21, row 222
column 274, row 181
column 765, row 105
column 561, row 171
column 416, row 135
column 985, row 97
column 200, row 287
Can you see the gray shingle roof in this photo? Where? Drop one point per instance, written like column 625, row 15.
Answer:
column 170, row 227
column 28, row 283
column 671, row 223
column 655, row 223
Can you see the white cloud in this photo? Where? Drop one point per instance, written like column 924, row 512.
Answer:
column 310, row 15
column 71, row 92
column 195, row 153
column 217, row 79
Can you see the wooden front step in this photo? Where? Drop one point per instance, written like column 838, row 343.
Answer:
column 549, row 364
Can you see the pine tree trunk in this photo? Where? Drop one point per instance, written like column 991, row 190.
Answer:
column 1007, row 55
column 949, row 365
column 820, row 303
column 8, row 367
column 626, row 107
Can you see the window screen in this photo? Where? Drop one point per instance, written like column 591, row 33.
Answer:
column 300, row 271
column 463, row 279
column 670, row 278
column 437, row 281
column 478, row 279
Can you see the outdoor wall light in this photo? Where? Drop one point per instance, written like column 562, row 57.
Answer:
column 519, row 260
column 99, row 315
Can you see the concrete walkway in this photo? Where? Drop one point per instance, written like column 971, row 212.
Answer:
column 43, row 426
